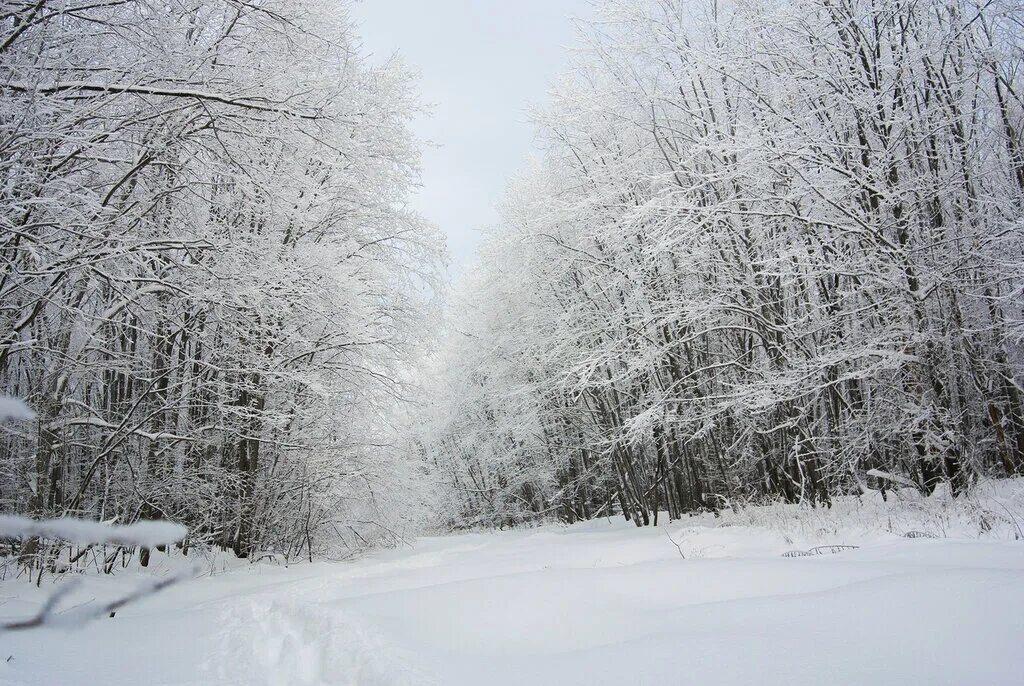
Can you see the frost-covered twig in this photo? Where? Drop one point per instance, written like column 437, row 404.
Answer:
column 677, row 545
column 49, row 616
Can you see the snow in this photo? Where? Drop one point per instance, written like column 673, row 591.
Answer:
column 14, row 409
column 595, row 603
column 147, row 533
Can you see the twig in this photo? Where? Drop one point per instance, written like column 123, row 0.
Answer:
column 48, row 615
column 678, row 547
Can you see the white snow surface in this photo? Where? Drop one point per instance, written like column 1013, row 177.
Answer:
column 595, row 603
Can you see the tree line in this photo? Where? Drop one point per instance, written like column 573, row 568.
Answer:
column 772, row 250
column 211, row 284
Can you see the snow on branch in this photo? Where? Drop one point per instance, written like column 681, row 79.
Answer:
column 145, row 534
column 245, row 103
column 14, row 409
column 895, row 478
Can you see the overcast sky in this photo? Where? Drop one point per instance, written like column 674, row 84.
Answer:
column 482, row 64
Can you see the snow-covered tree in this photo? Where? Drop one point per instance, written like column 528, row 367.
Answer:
column 771, row 247
column 211, row 285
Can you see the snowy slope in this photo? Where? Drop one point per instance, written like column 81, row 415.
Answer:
column 599, row 603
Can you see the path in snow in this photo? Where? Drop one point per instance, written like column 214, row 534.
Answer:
column 599, row 603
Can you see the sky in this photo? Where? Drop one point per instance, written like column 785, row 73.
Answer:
column 482, row 65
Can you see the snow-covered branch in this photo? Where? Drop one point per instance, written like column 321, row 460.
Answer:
column 51, row 616
column 148, row 534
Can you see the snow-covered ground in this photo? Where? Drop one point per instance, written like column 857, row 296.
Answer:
column 701, row 601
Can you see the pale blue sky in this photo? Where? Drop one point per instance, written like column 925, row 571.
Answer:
column 482, row 63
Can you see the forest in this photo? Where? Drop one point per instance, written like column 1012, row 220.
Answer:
column 212, row 290
column 730, row 392
column 771, row 251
